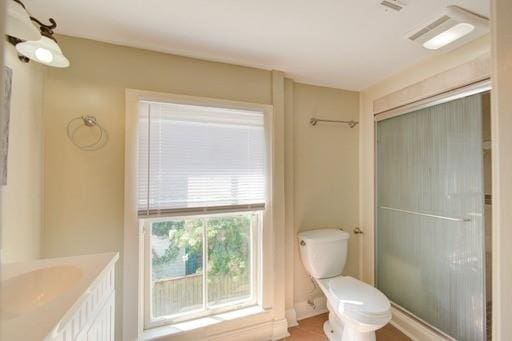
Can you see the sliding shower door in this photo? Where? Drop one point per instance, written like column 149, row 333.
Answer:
column 429, row 211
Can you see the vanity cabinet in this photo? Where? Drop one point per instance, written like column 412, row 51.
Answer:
column 103, row 325
column 92, row 318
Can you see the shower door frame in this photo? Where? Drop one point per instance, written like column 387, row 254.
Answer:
column 444, row 97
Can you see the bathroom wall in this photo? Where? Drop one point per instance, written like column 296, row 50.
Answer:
column 325, row 172
column 84, row 191
column 21, row 202
column 501, row 121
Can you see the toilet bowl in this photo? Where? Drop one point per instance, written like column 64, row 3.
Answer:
column 356, row 309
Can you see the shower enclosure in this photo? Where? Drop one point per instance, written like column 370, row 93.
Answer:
column 430, row 223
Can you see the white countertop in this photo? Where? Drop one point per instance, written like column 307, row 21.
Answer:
column 41, row 321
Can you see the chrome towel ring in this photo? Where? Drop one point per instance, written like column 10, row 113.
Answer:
column 89, row 122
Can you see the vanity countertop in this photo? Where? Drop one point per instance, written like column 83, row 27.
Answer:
column 38, row 296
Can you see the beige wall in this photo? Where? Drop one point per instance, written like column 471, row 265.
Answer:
column 21, row 211
column 325, row 171
column 409, row 76
column 84, row 191
column 501, row 117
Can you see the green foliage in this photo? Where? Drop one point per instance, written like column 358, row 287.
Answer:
column 182, row 234
column 228, row 243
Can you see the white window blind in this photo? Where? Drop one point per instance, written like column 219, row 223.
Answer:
column 199, row 159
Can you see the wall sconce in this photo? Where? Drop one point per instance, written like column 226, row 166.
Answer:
column 18, row 23
column 41, row 47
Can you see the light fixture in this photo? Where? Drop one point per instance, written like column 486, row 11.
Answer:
column 18, row 23
column 453, row 28
column 45, row 51
column 44, row 48
column 450, row 35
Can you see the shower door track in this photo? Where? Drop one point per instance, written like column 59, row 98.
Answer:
column 424, row 323
column 465, row 91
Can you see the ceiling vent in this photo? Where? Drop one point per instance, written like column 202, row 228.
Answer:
column 395, row 5
column 454, row 28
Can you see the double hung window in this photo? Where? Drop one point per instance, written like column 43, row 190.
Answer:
column 201, row 199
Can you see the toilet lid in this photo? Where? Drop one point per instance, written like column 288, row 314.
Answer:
column 354, row 295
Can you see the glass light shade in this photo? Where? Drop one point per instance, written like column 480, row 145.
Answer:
column 444, row 38
column 18, row 23
column 44, row 51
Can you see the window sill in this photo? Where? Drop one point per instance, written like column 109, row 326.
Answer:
column 208, row 321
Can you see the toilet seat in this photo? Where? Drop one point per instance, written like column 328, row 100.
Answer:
column 359, row 301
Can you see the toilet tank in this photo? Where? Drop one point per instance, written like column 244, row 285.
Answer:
column 324, row 251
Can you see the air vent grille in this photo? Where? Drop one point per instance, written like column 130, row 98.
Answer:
column 393, row 4
column 429, row 28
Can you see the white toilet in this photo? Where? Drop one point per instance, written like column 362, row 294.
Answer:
column 356, row 309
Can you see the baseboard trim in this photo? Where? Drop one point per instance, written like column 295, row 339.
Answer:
column 279, row 329
column 412, row 328
column 304, row 310
column 291, row 317
column 272, row 330
column 262, row 331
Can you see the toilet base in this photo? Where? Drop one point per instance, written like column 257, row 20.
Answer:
column 335, row 331
column 330, row 332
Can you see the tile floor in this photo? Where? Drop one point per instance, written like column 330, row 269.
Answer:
column 311, row 329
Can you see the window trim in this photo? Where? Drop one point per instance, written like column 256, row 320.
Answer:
column 133, row 309
column 255, row 280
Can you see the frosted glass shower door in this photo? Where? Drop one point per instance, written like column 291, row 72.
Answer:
column 429, row 207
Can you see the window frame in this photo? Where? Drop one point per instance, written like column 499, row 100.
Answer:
column 133, row 285
column 255, row 280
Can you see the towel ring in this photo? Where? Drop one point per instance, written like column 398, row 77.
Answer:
column 87, row 121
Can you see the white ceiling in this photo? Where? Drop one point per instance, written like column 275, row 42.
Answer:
column 338, row 43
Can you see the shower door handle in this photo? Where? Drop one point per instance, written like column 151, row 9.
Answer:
column 462, row 220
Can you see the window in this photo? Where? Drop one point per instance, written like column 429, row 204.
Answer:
column 201, row 199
